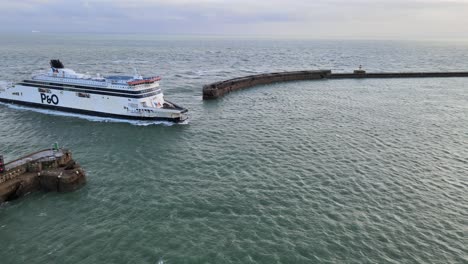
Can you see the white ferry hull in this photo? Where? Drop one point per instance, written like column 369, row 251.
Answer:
column 104, row 105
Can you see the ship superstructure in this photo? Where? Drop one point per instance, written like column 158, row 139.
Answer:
column 129, row 97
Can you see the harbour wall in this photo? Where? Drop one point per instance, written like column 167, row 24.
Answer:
column 46, row 170
column 218, row 89
column 397, row 75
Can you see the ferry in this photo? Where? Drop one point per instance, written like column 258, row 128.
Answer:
column 123, row 97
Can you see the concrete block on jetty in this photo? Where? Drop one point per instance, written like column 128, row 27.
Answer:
column 218, row 89
column 47, row 170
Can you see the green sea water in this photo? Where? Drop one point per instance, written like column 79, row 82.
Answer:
column 331, row 171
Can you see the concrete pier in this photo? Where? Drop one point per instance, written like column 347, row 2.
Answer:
column 48, row 170
column 382, row 75
column 218, row 89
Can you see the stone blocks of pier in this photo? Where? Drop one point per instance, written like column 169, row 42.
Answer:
column 218, row 89
column 57, row 172
column 62, row 180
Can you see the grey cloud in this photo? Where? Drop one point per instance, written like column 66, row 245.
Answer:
column 335, row 18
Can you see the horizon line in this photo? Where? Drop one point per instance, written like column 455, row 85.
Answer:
column 244, row 36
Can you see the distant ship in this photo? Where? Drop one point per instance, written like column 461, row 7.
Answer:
column 127, row 97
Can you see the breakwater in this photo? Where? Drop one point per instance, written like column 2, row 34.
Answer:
column 48, row 170
column 381, row 75
column 218, row 89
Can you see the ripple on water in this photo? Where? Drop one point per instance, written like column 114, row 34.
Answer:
column 303, row 172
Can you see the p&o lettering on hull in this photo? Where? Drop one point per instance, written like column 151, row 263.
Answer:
column 52, row 99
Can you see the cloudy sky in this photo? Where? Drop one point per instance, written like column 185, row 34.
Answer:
column 375, row 19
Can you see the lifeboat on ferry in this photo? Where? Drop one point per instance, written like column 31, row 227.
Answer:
column 143, row 81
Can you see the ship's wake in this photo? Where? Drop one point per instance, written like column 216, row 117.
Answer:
column 94, row 118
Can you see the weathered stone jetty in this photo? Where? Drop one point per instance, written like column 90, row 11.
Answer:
column 218, row 89
column 47, row 170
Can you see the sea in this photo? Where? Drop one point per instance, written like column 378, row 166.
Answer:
column 328, row 171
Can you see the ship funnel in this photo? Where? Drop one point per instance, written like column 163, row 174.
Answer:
column 56, row 64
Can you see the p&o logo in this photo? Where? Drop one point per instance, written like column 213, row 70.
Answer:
column 53, row 99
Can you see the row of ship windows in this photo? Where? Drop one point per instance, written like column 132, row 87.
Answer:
column 83, row 95
column 88, row 82
column 66, row 80
column 141, row 110
column 87, row 95
column 113, row 86
column 66, row 88
column 45, row 90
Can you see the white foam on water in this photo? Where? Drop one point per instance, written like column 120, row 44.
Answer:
column 94, row 118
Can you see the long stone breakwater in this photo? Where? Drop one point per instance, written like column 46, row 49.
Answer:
column 48, row 170
column 218, row 89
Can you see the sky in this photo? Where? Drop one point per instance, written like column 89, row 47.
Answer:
column 328, row 19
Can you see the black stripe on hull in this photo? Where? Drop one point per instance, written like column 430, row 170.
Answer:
column 88, row 112
column 74, row 85
column 89, row 91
